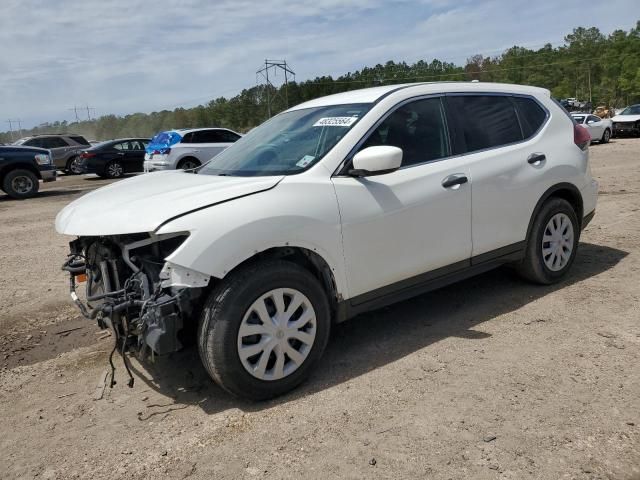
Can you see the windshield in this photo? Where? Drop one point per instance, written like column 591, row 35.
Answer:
column 288, row 143
column 21, row 141
column 632, row 110
column 578, row 118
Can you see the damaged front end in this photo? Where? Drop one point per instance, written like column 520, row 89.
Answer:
column 146, row 301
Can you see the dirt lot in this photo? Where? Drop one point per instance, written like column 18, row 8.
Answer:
column 489, row 378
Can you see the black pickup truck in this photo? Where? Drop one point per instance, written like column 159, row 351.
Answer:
column 22, row 168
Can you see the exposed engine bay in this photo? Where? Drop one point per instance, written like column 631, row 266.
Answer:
column 147, row 302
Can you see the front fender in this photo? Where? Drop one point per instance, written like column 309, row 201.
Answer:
column 294, row 214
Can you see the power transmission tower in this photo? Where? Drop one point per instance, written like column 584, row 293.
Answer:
column 88, row 112
column 10, row 128
column 11, row 123
column 75, row 110
column 274, row 66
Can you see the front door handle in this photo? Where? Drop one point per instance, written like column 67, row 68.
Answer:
column 536, row 158
column 455, row 179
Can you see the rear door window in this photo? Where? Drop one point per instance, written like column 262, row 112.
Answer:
column 228, row 136
column 531, row 115
column 53, row 142
column 207, row 136
column 122, row 146
column 484, row 121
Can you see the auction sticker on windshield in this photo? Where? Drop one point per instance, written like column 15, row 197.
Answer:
column 335, row 122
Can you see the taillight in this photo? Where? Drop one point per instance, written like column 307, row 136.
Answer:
column 87, row 155
column 581, row 137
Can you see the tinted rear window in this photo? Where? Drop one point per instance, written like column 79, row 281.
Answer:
column 79, row 139
column 486, row 121
column 531, row 115
column 206, row 136
column 53, row 142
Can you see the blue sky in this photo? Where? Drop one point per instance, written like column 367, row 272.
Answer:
column 125, row 56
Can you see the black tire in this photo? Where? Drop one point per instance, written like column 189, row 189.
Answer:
column 71, row 168
column 533, row 267
column 223, row 313
column 114, row 169
column 188, row 163
column 20, row 184
column 606, row 136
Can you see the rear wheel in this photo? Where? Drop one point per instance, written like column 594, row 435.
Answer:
column 264, row 329
column 20, row 184
column 114, row 169
column 552, row 243
column 606, row 136
column 73, row 166
column 188, row 163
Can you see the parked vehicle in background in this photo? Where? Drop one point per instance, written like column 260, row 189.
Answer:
column 186, row 148
column 65, row 148
column 600, row 129
column 22, row 168
column 114, row 158
column 337, row 206
column 603, row 111
column 627, row 122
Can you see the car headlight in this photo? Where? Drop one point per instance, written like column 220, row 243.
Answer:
column 43, row 159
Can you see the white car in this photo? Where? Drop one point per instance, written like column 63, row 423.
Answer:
column 600, row 129
column 186, row 149
column 337, row 206
column 627, row 122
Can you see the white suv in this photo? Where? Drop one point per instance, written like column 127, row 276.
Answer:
column 337, row 206
column 186, row 149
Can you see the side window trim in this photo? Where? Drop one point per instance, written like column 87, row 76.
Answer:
column 343, row 168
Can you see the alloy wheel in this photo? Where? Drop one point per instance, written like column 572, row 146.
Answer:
column 557, row 242
column 188, row 165
column 277, row 334
column 115, row 170
column 74, row 166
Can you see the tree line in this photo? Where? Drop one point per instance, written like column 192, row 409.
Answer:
column 604, row 69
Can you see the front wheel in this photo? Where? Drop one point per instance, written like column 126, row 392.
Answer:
column 606, row 136
column 552, row 243
column 20, row 184
column 263, row 329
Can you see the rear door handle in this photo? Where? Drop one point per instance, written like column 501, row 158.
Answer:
column 455, row 179
column 536, row 158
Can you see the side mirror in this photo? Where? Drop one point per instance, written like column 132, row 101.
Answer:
column 376, row 161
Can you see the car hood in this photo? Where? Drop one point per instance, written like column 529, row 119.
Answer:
column 143, row 203
column 626, row 118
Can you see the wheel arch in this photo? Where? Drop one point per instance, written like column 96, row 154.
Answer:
column 566, row 191
column 307, row 258
column 187, row 156
column 5, row 169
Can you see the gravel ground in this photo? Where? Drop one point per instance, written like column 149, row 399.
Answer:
column 490, row 378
